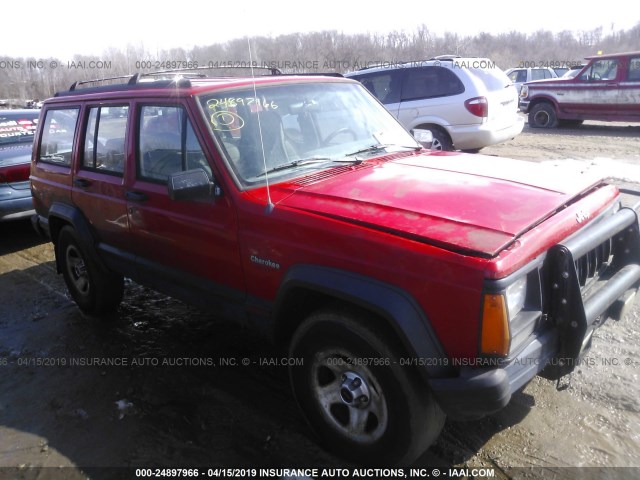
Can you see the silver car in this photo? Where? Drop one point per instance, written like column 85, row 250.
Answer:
column 520, row 76
column 17, row 129
column 466, row 103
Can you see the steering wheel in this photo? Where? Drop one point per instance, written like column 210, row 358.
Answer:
column 340, row 131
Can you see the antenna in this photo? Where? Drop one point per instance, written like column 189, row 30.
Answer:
column 270, row 205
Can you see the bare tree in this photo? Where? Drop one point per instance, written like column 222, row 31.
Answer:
column 22, row 79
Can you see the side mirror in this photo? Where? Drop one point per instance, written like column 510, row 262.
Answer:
column 425, row 137
column 191, row 185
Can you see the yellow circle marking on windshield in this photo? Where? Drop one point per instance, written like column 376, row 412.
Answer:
column 226, row 121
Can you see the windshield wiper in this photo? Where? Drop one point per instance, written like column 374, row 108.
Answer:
column 381, row 146
column 307, row 161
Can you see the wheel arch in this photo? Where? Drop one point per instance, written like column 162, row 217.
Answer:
column 307, row 288
column 61, row 215
column 543, row 99
column 437, row 127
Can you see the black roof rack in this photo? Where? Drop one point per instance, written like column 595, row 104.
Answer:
column 185, row 71
column 176, row 78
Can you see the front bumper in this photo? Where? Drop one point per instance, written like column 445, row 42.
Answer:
column 573, row 313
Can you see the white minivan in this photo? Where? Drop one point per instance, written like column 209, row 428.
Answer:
column 466, row 103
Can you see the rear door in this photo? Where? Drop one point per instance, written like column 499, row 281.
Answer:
column 98, row 180
column 184, row 247
column 433, row 94
column 629, row 93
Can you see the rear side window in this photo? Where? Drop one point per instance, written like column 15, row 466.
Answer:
column 167, row 144
column 634, row 70
column 58, row 133
column 17, row 127
column 104, row 139
column 430, row 82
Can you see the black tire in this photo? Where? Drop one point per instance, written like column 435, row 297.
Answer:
column 441, row 140
column 95, row 291
column 378, row 413
column 543, row 115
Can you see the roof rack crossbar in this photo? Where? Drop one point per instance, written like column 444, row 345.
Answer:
column 96, row 80
column 272, row 70
column 134, row 79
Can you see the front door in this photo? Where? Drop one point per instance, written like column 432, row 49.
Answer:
column 595, row 93
column 183, row 247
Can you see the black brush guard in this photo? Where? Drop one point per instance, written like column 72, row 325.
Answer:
column 590, row 275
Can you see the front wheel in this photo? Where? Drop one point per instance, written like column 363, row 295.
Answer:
column 94, row 290
column 357, row 397
column 543, row 115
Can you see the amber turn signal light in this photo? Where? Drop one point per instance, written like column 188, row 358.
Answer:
column 495, row 337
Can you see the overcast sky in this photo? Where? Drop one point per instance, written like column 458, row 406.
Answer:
column 44, row 29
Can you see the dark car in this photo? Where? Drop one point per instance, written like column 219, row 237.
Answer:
column 17, row 128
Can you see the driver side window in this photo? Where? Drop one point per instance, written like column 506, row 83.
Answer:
column 167, row 144
column 601, row 71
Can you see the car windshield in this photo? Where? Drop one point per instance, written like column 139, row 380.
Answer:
column 17, row 127
column 289, row 130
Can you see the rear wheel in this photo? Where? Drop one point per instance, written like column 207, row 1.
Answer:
column 94, row 290
column 360, row 401
column 441, row 140
column 543, row 115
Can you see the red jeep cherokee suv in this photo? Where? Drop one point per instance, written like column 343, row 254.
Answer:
column 412, row 284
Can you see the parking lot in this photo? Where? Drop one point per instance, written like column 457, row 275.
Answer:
column 147, row 388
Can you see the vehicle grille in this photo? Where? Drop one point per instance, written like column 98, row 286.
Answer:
column 591, row 265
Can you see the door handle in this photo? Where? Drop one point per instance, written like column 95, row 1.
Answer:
column 81, row 182
column 136, row 196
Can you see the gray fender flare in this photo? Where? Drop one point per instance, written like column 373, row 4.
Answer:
column 71, row 215
column 396, row 306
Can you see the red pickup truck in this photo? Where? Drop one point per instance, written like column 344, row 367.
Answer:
column 606, row 89
column 407, row 284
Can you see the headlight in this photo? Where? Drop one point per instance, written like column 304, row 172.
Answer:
column 524, row 91
column 516, row 294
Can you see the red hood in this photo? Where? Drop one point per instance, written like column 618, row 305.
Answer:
column 448, row 200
